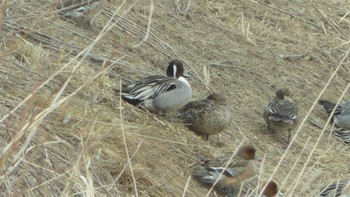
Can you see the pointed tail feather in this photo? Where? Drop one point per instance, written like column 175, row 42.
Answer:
column 116, row 90
column 328, row 106
column 124, row 89
column 125, row 97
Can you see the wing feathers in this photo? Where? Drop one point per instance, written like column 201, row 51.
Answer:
column 148, row 88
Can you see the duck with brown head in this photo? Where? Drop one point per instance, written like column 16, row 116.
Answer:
column 241, row 168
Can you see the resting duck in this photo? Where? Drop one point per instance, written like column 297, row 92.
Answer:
column 160, row 93
column 208, row 116
column 241, row 168
column 341, row 116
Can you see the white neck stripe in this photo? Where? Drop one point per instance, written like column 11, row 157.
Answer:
column 174, row 70
column 182, row 79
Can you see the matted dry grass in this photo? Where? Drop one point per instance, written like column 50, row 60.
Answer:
column 64, row 132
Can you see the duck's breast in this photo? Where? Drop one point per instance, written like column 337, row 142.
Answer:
column 173, row 99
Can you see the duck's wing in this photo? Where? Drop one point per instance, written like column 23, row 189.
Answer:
column 194, row 108
column 329, row 106
column 148, row 81
column 209, row 175
column 282, row 110
column 148, row 88
column 343, row 136
column 335, row 189
column 237, row 164
column 211, row 170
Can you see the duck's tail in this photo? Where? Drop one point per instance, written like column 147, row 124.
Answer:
column 116, row 91
column 124, row 89
column 328, row 106
column 126, row 97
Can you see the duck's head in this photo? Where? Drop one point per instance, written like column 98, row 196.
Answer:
column 280, row 93
column 218, row 99
column 247, row 152
column 271, row 188
column 175, row 69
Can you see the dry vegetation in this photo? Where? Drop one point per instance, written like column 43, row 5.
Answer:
column 64, row 132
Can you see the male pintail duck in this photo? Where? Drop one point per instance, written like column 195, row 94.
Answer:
column 160, row 93
column 271, row 189
column 341, row 116
column 241, row 168
column 341, row 188
column 208, row 116
column 280, row 114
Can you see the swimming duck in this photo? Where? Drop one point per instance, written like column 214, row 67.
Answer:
column 341, row 116
column 341, row 188
column 208, row 116
column 160, row 93
column 241, row 168
column 280, row 114
column 271, row 189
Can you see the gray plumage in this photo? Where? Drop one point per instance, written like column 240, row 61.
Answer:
column 343, row 136
column 341, row 116
column 241, row 168
column 160, row 93
column 280, row 114
column 341, row 188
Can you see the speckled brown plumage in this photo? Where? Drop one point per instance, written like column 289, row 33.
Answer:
column 208, row 116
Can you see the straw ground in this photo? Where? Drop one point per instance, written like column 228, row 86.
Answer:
column 64, row 131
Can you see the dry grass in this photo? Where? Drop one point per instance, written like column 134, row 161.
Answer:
column 64, row 132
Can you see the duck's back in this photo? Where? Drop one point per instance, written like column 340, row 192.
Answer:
column 205, row 117
column 343, row 120
column 280, row 110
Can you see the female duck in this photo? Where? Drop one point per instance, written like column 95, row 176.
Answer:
column 207, row 117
